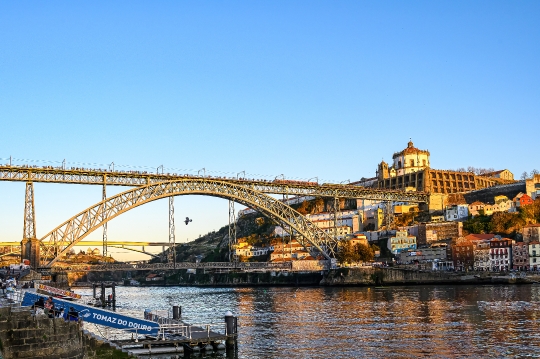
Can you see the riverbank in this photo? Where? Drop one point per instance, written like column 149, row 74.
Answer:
column 396, row 276
column 363, row 276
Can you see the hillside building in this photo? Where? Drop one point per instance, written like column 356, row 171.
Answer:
column 482, row 260
column 531, row 233
column 463, row 254
column 500, row 253
column 520, row 256
column 402, row 241
column 534, row 256
column 457, row 212
column 411, row 171
column 522, row 199
column 434, row 232
column 532, row 186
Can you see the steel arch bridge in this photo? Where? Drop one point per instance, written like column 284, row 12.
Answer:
column 61, row 239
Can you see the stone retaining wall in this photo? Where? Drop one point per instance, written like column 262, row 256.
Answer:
column 24, row 336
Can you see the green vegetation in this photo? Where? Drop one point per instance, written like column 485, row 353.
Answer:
column 357, row 253
column 504, row 223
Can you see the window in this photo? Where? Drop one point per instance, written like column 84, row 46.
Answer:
column 424, row 162
column 412, row 163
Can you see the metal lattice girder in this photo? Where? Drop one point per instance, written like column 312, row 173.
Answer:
column 99, row 177
column 60, row 240
column 104, row 197
column 171, row 254
column 135, row 250
column 29, row 230
column 232, row 232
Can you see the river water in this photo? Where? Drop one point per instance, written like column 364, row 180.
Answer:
column 389, row 322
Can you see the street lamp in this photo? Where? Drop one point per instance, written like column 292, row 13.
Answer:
column 204, row 172
column 317, row 178
column 281, row 176
column 112, row 164
column 244, row 172
column 344, row 181
column 157, row 170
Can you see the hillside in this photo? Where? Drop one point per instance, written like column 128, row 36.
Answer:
column 213, row 246
column 253, row 228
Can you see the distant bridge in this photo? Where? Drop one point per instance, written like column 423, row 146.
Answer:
column 15, row 247
column 99, row 243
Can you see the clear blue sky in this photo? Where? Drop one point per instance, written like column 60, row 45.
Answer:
column 303, row 88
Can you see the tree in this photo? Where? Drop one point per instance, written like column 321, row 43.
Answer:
column 348, row 253
column 365, row 252
column 524, row 176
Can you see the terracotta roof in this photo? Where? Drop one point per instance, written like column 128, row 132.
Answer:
column 479, row 237
column 476, row 203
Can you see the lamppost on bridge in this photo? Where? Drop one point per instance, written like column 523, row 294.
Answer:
column 157, row 170
column 348, row 180
column 204, row 172
column 316, row 178
column 282, row 176
column 244, row 172
column 112, row 164
column 64, row 164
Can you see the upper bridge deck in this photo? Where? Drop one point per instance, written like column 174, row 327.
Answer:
column 91, row 176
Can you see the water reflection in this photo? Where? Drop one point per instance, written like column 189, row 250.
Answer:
column 396, row 322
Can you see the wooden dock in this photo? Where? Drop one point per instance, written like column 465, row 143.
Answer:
column 176, row 336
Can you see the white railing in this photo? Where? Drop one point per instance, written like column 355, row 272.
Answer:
column 13, row 297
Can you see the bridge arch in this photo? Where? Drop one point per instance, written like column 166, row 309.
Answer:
column 61, row 239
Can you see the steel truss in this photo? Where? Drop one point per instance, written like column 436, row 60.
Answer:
column 104, row 197
column 60, row 240
column 171, row 254
column 232, row 233
column 112, row 178
column 389, row 215
column 29, row 231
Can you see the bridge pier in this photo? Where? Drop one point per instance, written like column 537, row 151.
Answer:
column 30, row 245
column 30, row 249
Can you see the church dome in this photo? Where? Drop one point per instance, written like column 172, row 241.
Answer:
column 410, row 150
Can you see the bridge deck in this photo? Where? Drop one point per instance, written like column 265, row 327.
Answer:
column 138, row 178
